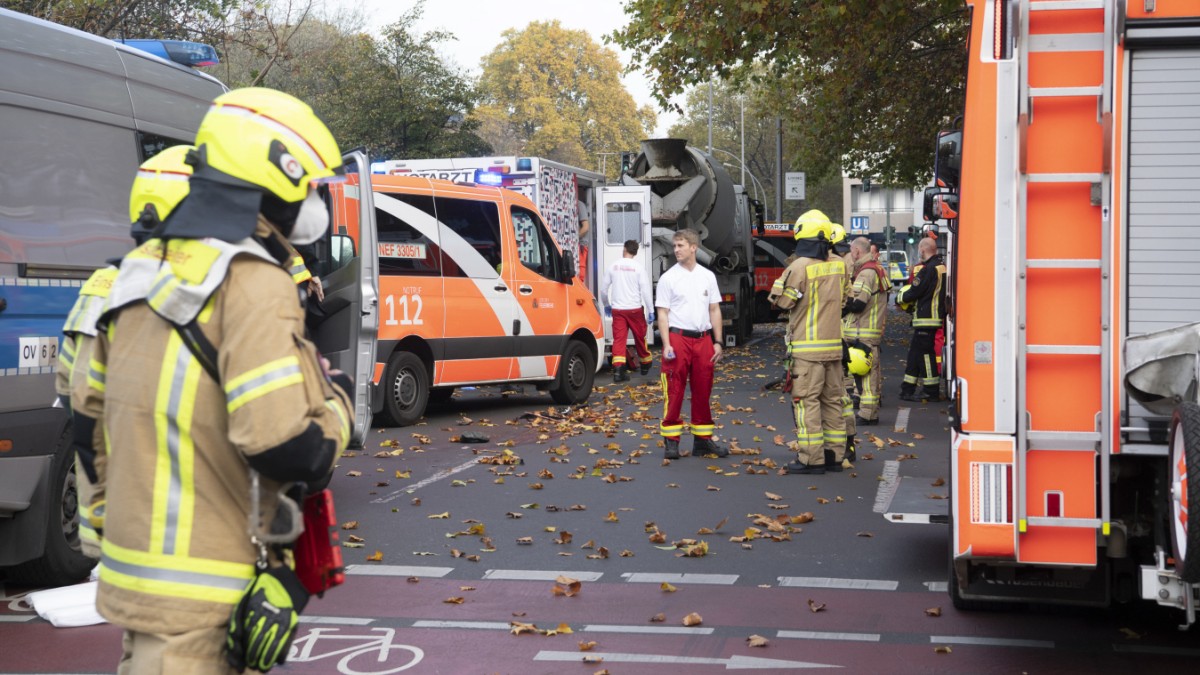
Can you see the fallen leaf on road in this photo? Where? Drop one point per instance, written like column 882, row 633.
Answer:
column 416, row 501
column 347, row 544
column 822, row 500
column 351, row 525
column 712, row 488
column 519, row 627
column 757, row 641
column 355, row 539
column 919, row 436
column 658, row 618
column 626, row 553
column 514, row 514
column 354, row 474
column 466, row 588
column 938, row 483
column 779, row 440
column 587, row 646
column 403, row 474
column 693, row 619
column 937, row 496
column 413, row 580
column 933, row 611
column 536, row 486
column 563, row 538
column 816, row 606
column 454, row 601
column 667, row 588
column 1132, row 634
column 439, row 516
column 941, row 650
column 806, row 517
column 423, row 553
column 567, row 586
column 868, row 535
column 612, row 517
column 377, row 556
column 525, row 541
column 772, row 496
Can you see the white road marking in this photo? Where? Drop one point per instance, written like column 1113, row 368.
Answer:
column 850, row 584
column 989, row 642
column 818, row 635
column 648, row 630
column 7, row 618
column 441, row 475
column 337, row 620
column 938, row 586
column 677, row 578
column 486, row 625
column 902, row 420
column 735, row 662
column 540, row 575
column 398, row 571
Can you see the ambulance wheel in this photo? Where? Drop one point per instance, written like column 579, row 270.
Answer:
column 406, row 390
column 576, row 371
column 1185, row 490
column 62, row 561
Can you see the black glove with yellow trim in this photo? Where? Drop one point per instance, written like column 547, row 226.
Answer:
column 264, row 621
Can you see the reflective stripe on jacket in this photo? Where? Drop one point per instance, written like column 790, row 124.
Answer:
column 928, row 291
column 870, row 288
column 813, row 292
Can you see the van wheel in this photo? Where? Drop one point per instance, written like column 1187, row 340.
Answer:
column 405, row 390
column 62, row 561
column 1185, row 491
column 576, row 371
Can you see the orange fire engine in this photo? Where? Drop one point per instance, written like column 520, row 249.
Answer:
column 1075, row 325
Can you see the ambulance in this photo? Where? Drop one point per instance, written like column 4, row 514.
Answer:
column 473, row 290
column 564, row 195
column 1071, row 199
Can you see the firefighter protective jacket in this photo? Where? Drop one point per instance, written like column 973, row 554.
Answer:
column 813, row 291
column 928, row 291
column 176, row 553
column 869, row 290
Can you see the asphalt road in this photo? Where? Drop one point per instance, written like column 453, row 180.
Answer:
column 454, row 550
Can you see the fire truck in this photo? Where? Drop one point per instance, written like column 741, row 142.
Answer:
column 772, row 246
column 1073, row 194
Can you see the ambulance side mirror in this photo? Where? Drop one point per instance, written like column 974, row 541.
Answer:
column 341, row 250
column 568, row 268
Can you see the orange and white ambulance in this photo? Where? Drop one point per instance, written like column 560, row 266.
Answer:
column 473, row 290
column 1073, row 340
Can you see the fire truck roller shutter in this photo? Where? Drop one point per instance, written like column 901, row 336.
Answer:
column 1164, row 199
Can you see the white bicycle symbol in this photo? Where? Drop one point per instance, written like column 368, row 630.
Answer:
column 304, row 650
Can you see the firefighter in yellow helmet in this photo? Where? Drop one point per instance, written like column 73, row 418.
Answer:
column 840, row 250
column 863, row 322
column 812, row 290
column 211, row 401
column 161, row 182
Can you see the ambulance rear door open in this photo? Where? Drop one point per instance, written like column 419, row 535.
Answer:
column 347, row 334
column 622, row 213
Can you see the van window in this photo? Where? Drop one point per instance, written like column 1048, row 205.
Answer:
column 534, row 247
column 65, row 202
column 152, row 144
column 407, row 232
column 624, row 222
column 474, row 225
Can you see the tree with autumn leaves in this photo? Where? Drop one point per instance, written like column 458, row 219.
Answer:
column 863, row 85
column 556, row 93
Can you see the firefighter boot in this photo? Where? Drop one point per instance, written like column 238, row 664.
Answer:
column 646, row 367
column 703, row 446
column 851, row 449
column 621, row 374
column 796, row 466
column 831, row 463
column 671, row 447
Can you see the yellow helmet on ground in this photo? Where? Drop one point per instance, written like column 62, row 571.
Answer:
column 861, row 361
column 812, row 224
column 269, row 139
column 161, row 183
column 906, row 306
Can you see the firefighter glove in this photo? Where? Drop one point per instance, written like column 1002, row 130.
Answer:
column 264, row 621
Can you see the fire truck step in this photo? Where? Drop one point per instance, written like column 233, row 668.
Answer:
column 1078, row 523
column 1064, row 350
column 1065, row 177
column 1062, row 440
column 1065, row 5
column 1066, row 42
column 1063, row 263
column 1060, row 92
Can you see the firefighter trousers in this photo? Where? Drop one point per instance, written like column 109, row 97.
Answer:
column 197, row 652
column 922, row 364
column 626, row 321
column 693, row 361
column 870, row 388
column 818, row 395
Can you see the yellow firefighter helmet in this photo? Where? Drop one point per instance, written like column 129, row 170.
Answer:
column 812, row 224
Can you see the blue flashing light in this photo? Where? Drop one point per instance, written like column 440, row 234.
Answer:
column 485, row 177
column 524, row 164
column 192, row 54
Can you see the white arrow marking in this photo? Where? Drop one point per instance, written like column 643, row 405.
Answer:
column 735, row 662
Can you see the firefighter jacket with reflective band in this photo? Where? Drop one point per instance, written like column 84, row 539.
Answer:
column 813, row 291
column 870, row 289
column 79, row 330
column 176, row 554
column 928, row 291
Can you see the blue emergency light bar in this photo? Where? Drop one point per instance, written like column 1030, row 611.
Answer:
column 191, row 54
column 485, row 177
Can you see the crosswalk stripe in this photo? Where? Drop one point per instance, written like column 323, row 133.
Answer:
column 846, row 584
column 678, row 578
column 540, row 575
column 398, row 571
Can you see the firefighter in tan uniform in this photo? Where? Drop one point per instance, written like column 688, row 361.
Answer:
column 812, row 289
column 204, row 385
column 161, row 182
column 840, row 250
column 865, row 317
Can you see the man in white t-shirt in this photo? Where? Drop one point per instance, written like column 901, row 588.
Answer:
column 626, row 290
column 689, row 321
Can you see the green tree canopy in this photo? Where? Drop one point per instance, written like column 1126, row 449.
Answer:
column 556, row 93
column 863, row 85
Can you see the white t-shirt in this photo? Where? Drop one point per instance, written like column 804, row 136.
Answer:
column 687, row 296
column 627, row 285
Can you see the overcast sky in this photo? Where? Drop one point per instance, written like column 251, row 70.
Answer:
column 478, row 24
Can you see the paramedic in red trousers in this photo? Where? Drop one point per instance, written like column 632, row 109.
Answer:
column 627, row 291
column 689, row 321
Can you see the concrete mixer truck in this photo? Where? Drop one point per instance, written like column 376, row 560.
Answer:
column 691, row 189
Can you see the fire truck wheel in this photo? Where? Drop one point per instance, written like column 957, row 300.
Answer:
column 1185, row 490
column 406, row 386
column 576, row 371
